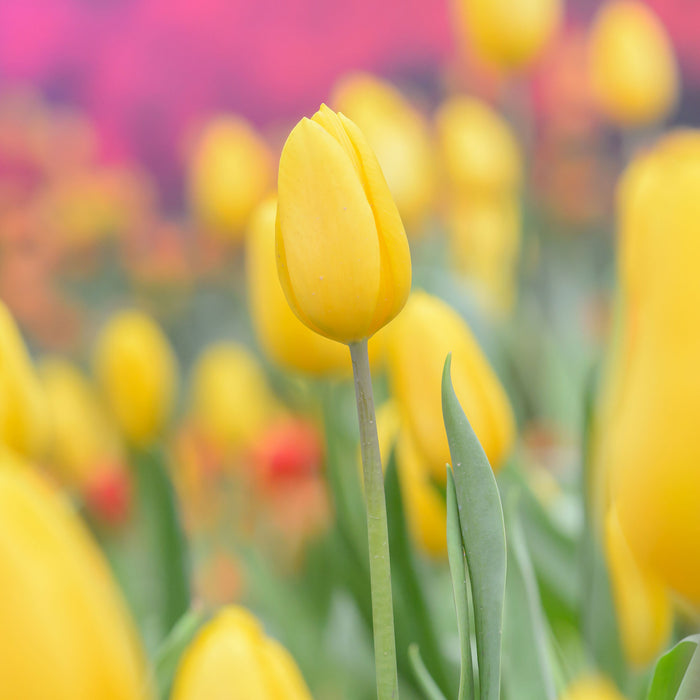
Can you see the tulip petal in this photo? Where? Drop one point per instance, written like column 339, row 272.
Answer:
column 327, row 243
column 395, row 256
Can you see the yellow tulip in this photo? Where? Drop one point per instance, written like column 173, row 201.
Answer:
column 592, row 688
column 479, row 152
column 508, row 34
column 232, row 659
column 400, row 138
column 342, row 253
column 137, row 372
column 646, row 438
column 231, row 399
column 283, row 337
column 23, row 416
column 418, row 343
column 425, row 509
column 82, row 437
column 66, row 632
column 633, row 69
column 230, row 174
column 644, row 611
column 484, row 236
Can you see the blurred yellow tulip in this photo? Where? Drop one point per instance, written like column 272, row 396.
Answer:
column 283, row 337
column 644, row 610
column 231, row 658
column 23, row 415
column 82, row 438
column 136, row 370
column 479, row 153
column 229, row 175
column 231, row 399
column 66, row 632
column 633, row 69
column 591, row 688
column 484, row 236
column 399, row 135
column 342, row 253
column 646, row 449
column 508, row 34
column 425, row 509
column 417, row 345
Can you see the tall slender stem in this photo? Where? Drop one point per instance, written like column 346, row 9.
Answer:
column 377, row 530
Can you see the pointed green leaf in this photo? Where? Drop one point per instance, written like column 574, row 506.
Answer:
column 169, row 653
column 425, row 680
column 527, row 671
column 460, row 588
column 483, row 536
column 677, row 673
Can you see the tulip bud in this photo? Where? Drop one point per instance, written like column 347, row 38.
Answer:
column 633, row 69
column 644, row 612
column 419, row 341
column 592, row 688
column 342, row 253
column 231, row 400
column 647, row 450
column 137, row 372
column 479, row 153
column 283, row 337
column 399, row 136
column 66, row 630
column 508, row 34
column 82, row 437
column 23, row 417
column 230, row 174
column 231, row 654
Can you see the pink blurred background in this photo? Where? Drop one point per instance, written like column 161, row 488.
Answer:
column 148, row 71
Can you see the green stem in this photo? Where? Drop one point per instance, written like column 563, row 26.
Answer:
column 377, row 529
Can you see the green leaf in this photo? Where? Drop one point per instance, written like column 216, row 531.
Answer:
column 483, row 536
column 677, row 673
column 460, row 588
column 168, row 655
column 425, row 680
column 149, row 555
column 413, row 620
column 527, row 672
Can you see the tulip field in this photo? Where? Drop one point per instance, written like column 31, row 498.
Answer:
column 350, row 355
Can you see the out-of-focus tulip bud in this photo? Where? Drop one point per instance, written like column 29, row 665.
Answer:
column 231, row 654
column 283, row 337
column 633, row 69
column 644, row 611
column 232, row 402
column 479, row 152
column 136, row 370
column 23, row 415
column 484, row 236
column 400, row 138
column 82, row 437
column 342, row 253
column 66, row 630
column 418, row 343
column 592, row 688
column 508, row 34
column 646, row 435
column 289, row 449
column 230, row 174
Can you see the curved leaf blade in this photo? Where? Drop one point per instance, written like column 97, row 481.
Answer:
column 483, row 535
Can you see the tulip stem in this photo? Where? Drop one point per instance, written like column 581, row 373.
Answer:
column 377, row 529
